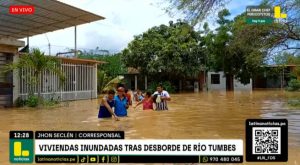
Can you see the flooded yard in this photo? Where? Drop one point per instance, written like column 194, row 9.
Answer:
column 204, row 115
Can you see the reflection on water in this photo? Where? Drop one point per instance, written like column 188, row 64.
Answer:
column 212, row 115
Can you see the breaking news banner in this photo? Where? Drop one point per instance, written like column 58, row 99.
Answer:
column 82, row 150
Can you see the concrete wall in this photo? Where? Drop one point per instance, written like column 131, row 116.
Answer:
column 16, row 81
column 239, row 86
column 221, row 86
column 10, row 46
column 95, row 85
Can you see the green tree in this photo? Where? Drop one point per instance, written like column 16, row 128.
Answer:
column 37, row 62
column 107, row 71
column 248, row 49
column 195, row 10
column 112, row 68
column 102, row 80
column 239, row 48
column 217, row 43
column 172, row 51
column 114, row 65
column 285, row 36
column 287, row 58
column 235, row 47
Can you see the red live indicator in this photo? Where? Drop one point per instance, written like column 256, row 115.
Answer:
column 21, row 9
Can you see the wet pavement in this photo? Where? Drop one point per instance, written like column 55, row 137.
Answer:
column 204, row 115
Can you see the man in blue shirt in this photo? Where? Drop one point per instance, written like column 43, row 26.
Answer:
column 121, row 103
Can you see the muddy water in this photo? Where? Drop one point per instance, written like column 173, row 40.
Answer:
column 213, row 115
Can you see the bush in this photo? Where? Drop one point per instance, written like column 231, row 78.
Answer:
column 293, row 85
column 294, row 103
column 20, row 102
column 51, row 102
column 166, row 85
column 32, row 101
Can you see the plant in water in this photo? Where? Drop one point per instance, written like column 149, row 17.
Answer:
column 293, row 85
column 32, row 101
column 294, row 102
column 20, row 102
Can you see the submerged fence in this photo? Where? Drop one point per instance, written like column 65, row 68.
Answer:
column 80, row 83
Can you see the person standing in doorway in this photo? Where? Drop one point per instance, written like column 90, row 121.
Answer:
column 161, row 97
column 121, row 103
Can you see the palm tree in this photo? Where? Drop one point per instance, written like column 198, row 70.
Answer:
column 37, row 62
column 112, row 84
column 102, row 79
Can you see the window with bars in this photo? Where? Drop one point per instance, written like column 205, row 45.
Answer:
column 215, row 78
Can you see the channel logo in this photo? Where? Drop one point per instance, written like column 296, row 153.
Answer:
column 278, row 14
column 21, row 150
column 18, row 150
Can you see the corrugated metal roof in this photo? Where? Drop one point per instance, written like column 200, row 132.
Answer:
column 131, row 70
column 75, row 60
column 284, row 65
column 49, row 15
column 81, row 61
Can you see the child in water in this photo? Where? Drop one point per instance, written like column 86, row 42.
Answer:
column 105, row 110
column 147, row 102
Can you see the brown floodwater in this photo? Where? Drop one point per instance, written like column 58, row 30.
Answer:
column 204, row 115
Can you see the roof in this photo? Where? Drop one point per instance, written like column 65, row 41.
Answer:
column 73, row 60
column 80, row 61
column 285, row 65
column 49, row 15
column 131, row 70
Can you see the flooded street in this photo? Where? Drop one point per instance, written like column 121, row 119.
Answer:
column 212, row 115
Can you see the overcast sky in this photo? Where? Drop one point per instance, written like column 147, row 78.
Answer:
column 124, row 19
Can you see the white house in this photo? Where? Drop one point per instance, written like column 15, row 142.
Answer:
column 218, row 81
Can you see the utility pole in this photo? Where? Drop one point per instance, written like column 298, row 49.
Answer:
column 75, row 38
column 49, row 46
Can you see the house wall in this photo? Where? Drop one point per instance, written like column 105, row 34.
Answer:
column 240, row 86
column 9, row 82
column 6, row 81
column 220, row 86
column 16, row 81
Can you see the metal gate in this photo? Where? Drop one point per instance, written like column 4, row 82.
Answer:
column 79, row 83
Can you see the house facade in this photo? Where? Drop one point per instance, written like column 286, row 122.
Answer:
column 272, row 77
column 80, row 75
column 80, row 78
column 219, row 81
